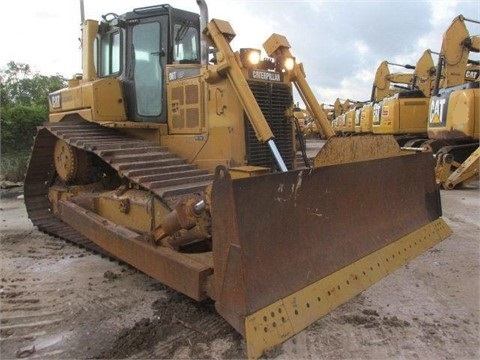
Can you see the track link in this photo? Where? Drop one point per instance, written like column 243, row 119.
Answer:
column 150, row 166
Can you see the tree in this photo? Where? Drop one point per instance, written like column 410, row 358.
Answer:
column 22, row 87
column 19, row 125
column 24, row 104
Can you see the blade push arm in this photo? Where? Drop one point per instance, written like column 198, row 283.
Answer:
column 277, row 45
column 219, row 31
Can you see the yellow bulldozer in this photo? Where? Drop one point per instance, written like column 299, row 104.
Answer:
column 176, row 155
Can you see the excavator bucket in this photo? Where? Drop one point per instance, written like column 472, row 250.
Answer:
column 291, row 247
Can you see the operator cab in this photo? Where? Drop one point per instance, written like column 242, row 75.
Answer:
column 136, row 47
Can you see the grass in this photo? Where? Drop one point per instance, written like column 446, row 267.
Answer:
column 13, row 167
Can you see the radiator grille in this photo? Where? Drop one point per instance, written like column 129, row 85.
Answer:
column 273, row 100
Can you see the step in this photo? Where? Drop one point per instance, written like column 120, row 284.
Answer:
column 180, row 181
column 171, row 175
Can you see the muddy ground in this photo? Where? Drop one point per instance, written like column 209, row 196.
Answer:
column 59, row 301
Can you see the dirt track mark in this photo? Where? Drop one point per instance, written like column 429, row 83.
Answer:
column 178, row 324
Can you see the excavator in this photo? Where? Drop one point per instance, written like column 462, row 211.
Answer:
column 345, row 122
column 310, row 128
column 382, row 88
column 370, row 113
column 352, row 118
column 341, row 107
column 405, row 114
column 454, row 112
column 337, row 111
column 176, row 154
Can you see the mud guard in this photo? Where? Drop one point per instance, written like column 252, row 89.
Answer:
column 291, row 247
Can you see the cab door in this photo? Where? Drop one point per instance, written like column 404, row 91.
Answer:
column 146, row 59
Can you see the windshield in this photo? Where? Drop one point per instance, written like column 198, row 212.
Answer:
column 185, row 46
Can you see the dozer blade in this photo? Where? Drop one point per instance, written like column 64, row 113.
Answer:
column 291, row 247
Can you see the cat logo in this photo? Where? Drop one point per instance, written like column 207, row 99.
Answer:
column 265, row 75
column 55, row 101
column 172, row 75
column 438, row 112
column 472, row 75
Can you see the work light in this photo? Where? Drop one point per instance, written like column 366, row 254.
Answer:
column 249, row 57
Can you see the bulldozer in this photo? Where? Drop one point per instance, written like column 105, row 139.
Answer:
column 175, row 154
column 454, row 111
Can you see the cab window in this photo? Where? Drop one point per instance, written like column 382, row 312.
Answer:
column 185, row 44
column 109, row 54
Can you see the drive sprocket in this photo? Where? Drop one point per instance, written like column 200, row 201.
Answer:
column 71, row 163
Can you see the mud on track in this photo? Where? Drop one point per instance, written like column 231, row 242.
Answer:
column 60, row 301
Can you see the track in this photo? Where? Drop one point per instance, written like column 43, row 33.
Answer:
column 141, row 163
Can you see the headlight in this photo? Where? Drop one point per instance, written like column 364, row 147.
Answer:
column 249, row 57
column 254, row 57
column 289, row 63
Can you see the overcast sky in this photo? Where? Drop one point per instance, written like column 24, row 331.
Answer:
column 340, row 43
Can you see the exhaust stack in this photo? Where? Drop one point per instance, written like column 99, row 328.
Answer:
column 203, row 24
column 82, row 12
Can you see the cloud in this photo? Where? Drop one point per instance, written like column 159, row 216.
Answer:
column 361, row 47
column 353, row 88
column 340, row 43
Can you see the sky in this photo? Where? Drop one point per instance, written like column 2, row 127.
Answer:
column 340, row 43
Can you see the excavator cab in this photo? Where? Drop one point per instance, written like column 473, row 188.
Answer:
column 186, row 169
